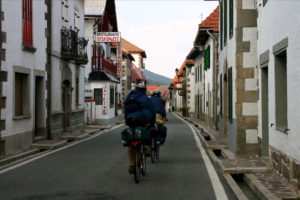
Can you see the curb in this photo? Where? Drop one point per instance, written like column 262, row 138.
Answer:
column 40, row 149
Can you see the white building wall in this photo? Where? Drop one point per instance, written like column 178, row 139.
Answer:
column 99, row 108
column 275, row 23
column 191, row 88
column 15, row 56
column 89, row 34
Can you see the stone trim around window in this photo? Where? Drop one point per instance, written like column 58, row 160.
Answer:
column 264, row 58
column 280, row 46
column 24, row 70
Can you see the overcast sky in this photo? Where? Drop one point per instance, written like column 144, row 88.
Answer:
column 165, row 29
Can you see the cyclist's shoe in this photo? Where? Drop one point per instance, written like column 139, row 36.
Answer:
column 131, row 169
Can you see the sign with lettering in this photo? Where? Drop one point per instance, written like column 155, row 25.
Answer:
column 104, row 100
column 108, row 37
column 119, row 60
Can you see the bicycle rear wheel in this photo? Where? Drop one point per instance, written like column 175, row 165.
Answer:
column 152, row 148
column 136, row 164
column 157, row 151
column 144, row 162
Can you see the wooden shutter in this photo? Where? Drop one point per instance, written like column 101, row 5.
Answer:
column 221, row 25
column 225, row 22
column 230, row 109
column 18, row 94
column 27, row 23
column 230, row 18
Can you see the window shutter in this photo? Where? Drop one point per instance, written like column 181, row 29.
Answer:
column 230, row 18
column 208, row 57
column 225, row 22
column 230, row 109
column 27, row 23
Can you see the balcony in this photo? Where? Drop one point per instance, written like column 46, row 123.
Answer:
column 109, row 66
column 182, row 92
column 72, row 47
column 82, row 57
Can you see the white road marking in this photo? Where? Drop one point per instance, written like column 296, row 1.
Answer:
column 216, row 183
column 56, row 150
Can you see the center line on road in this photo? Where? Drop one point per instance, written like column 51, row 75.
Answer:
column 57, row 150
column 216, row 183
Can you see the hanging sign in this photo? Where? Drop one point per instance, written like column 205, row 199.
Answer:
column 104, row 100
column 108, row 37
column 119, row 60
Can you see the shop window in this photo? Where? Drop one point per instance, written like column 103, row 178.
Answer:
column 98, row 96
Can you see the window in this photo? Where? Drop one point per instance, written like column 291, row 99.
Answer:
column 281, row 91
column 76, row 20
column 200, row 73
column 230, row 108
column 27, row 23
column 112, row 97
column 65, row 13
column 21, row 94
column 207, row 58
column 98, row 96
column 225, row 22
column 196, row 75
column 230, row 18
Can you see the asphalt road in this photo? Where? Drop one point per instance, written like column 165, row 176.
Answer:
column 97, row 169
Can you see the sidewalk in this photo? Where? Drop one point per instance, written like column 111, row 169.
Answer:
column 65, row 139
column 255, row 172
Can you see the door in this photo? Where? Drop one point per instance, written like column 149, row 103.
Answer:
column 67, row 106
column 265, row 110
column 39, row 105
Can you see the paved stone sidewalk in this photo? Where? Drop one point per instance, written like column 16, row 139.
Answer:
column 257, row 172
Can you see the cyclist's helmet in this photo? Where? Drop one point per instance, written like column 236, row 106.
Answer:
column 156, row 93
column 141, row 86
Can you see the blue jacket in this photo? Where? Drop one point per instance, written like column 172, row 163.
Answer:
column 159, row 105
column 139, row 109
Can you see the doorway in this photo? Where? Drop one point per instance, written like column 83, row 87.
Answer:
column 265, row 111
column 67, row 105
column 39, row 107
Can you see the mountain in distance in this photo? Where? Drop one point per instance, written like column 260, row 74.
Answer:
column 156, row 79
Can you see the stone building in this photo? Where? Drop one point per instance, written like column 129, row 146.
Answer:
column 66, row 50
column 102, row 75
column 205, row 56
column 23, row 67
column 279, row 111
column 238, row 118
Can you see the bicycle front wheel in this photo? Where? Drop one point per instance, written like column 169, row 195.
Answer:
column 144, row 162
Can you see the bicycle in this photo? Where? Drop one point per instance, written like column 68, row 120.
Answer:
column 155, row 144
column 139, row 160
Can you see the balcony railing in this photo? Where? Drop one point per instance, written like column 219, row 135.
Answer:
column 109, row 66
column 82, row 57
column 72, row 47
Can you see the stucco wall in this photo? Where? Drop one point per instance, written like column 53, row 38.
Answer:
column 16, row 57
column 275, row 24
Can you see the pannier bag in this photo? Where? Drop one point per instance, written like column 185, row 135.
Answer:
column 139, row 134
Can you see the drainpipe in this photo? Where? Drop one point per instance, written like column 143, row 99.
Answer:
column 48, row 66
column 215, row 77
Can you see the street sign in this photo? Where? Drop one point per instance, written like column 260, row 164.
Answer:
column 108, row 37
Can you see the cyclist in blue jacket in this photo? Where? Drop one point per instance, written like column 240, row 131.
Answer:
column 139, row 111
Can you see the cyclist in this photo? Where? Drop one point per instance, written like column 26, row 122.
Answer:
column 139, row 112
column 159, row 106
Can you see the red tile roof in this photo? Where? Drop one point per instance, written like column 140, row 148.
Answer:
column 131, row 48
column 177, row 79
column 162, row 88
column 212, row 21
column 136, row 74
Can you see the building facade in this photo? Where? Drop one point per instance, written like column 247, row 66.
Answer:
column 278, row 49
column 24, row 94
column 102, row 75
column 67, row 56
column 238, row 118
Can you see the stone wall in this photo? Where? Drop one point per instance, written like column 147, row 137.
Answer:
column 286, row 167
